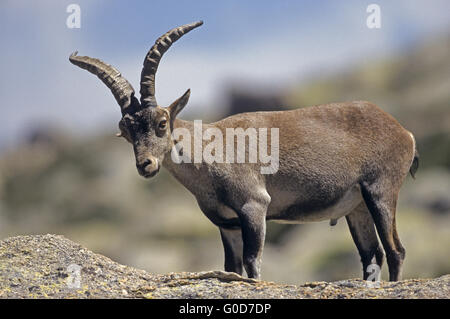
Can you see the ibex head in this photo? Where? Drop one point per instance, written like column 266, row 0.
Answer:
column 144, row 124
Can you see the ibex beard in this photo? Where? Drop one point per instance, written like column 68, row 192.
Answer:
column 327, row 162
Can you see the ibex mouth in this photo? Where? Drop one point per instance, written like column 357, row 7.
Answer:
column 150, row 175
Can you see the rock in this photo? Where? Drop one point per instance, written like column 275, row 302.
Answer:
column 50, row 266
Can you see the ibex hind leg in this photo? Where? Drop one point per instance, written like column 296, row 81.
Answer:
column 362, row 229
column 381, row 200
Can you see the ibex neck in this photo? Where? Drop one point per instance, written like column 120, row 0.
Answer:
column 183, row 172
column 178, row 123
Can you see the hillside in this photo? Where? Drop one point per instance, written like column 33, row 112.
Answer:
column 39, row 267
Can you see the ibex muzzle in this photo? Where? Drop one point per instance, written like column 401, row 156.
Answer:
column 335, row 160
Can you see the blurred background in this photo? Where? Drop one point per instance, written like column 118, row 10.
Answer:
column 62, row 170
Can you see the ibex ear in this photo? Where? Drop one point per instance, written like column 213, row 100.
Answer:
column 179, row 104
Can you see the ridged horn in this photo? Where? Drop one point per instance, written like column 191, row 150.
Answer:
column 119, row 86
column 153, row 57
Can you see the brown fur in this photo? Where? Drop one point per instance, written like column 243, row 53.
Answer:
column 335, row 160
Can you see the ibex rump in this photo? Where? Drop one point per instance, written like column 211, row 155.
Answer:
column 335, row 160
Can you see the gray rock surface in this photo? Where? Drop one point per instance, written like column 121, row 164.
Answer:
column 50, row 266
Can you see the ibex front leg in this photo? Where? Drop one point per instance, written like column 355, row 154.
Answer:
column 252, row 216
column 232, row 244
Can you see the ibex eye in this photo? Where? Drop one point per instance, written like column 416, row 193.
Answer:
column 162, row 125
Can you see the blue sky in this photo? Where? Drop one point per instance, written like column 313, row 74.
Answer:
column 257, row 43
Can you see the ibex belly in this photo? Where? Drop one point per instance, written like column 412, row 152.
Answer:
column 305, row 212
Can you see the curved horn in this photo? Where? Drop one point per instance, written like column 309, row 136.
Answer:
column 153, row 57
column 119, row 86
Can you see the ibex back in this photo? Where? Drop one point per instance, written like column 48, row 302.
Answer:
column 335, row 160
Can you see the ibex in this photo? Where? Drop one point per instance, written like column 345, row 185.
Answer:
column 335, row 160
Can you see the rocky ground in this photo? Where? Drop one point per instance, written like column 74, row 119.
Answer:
column 50, row 266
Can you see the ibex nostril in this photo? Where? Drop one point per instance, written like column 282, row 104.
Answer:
column 146, row 163
column 148, row 167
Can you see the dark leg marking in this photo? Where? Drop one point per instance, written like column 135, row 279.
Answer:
column 362, row 229
column 253, row 224
column 232, row 244
column 381, row 201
